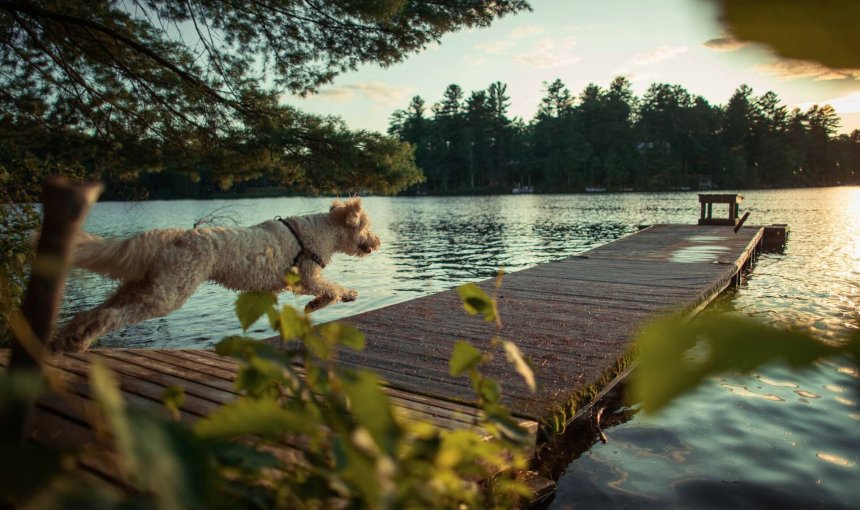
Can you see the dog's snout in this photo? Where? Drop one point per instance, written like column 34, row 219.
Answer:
column 370, row 244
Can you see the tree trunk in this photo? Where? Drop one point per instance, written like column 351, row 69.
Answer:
column 65, row 207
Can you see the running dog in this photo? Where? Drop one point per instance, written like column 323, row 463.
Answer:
column 160, row 269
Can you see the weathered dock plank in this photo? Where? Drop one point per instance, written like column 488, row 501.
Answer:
column 208, row 382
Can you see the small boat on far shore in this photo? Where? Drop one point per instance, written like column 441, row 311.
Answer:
column 594, row 189
column 517, row 189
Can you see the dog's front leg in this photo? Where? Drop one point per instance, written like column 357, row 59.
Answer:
column 318, row 303
column 325, row 292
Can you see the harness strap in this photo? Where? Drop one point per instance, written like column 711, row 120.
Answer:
column 302, row 250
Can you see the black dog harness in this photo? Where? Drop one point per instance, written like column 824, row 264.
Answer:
column 302, row 250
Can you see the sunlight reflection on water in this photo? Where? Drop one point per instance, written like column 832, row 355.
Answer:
column 776, row 438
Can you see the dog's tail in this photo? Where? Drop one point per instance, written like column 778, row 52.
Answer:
column 120, row 259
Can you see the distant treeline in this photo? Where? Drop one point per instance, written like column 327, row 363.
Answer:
column 609, row 138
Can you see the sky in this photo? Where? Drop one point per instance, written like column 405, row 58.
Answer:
column 580, row 42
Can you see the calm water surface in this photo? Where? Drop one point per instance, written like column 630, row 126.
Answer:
column 774, row 439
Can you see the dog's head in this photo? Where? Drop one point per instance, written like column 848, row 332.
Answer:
column 356, row 238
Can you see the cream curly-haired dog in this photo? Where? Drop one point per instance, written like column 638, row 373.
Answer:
column 160, row 269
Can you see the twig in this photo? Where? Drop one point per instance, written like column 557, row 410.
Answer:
column 600, row 433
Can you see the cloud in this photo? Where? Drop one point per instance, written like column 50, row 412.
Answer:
column 514, row 38
column 549, row 53
column 378, row 92
column 647, row 58
column 471, row 60
column 640, row 77
column 724, row 44
column 525, row 31
column 544, row 53
column 496, row 47
column 658, row 54
column 786, row 70
column 843, row 105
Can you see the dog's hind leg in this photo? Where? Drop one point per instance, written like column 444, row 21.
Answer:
column 159, row 293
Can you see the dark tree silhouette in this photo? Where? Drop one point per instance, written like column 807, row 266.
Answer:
column 608, row 138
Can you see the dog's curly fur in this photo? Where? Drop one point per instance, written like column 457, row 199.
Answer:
column 160, row 269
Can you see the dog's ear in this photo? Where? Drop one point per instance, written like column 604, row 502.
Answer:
column 348, row 212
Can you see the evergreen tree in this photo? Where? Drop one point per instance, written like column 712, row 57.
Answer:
column 501, row 134
column 477, row 137
column 772, row 154
column 450, row 138
column 665, row 142
column 552, row 134
column 820, row 161
column 588, row 123
column 737, row 130
column 617, row 133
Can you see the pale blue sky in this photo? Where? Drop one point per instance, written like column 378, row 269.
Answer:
column 583, row 41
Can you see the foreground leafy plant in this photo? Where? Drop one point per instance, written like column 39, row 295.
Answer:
column 468, row 360
column 305, row 432
column 675, row 357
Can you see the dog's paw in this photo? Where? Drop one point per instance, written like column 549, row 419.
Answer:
column 349, row 295
column 317, row 303
column 65, row 343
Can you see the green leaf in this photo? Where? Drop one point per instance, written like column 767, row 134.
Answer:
column 247, row 416
column 372, row 409
column 490, row 391
column 246, row 349
column 292, row 278
column 174, row 467
column 674, row 358
column 476, row 302
column 75, row 491
column 293, row 324
column 173, row 398
column 360, row 470
column 464, row 358
column 320, row 346
column 106, row 394
column 250, row 306
column 343, row 334
column 274, row 318
column 259, row 375
column 506, row 427
column 18, row 388
column 467, row 452
column 824, row 32
column 159, row 457
column 25, row 469
column 521, row 364
column 244, row 457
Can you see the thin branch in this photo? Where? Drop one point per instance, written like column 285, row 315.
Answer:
column 17, row 7
column 135, row 78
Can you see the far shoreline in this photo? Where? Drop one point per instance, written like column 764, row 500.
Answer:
column 464, row 193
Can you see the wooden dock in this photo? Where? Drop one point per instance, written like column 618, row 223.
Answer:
column 574, row 318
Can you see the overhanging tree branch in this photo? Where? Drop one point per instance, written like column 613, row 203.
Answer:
column 17, row 7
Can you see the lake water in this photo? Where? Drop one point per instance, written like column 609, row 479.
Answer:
column 775, row 438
